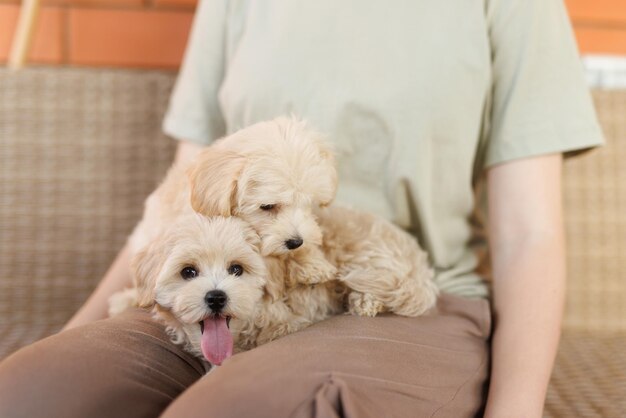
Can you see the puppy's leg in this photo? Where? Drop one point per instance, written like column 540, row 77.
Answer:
column 310, row 266
column 364, row 304
column 375, row 291
column 122, row 300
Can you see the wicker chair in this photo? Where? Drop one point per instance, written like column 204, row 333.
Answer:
column 81, row 149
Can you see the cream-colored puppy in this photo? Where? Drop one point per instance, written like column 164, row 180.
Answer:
column 198, row 275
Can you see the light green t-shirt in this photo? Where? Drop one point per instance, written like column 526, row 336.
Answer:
column 418, row 96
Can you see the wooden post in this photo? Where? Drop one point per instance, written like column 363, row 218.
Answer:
column 24, row 33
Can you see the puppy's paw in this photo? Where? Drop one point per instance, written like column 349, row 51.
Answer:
column 364, row 304
column 321, row 272
column 311, row 268
column 122, row 300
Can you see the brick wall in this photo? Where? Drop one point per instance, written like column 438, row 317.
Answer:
column 112, row 33
column 600, row 25
column 153, row 33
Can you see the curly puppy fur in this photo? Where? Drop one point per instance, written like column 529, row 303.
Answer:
column 383, row 266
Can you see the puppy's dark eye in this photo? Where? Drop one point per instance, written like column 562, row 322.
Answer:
column 267, row 207
column 235, row 270
column 188, row 273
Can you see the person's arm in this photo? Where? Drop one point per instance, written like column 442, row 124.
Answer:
column 528, row 258
column 118, row 275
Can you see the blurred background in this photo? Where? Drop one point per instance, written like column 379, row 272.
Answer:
column 81, row 147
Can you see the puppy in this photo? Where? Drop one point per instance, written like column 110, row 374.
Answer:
column 199, row 276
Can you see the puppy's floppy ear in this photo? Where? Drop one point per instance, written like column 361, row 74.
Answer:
column 213, row 179
column 251, row 237
column 145, row 267
column 275, row 280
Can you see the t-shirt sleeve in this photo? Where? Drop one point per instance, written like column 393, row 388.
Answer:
column 194, row 113
column 540, row 101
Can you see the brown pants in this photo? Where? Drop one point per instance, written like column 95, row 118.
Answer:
column 433, row 366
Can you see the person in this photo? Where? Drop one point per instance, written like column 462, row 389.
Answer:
column 423, row 100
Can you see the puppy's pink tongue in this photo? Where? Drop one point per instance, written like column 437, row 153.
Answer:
column 216, row 342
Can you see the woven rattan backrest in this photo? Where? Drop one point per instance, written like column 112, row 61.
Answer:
column 79, row 151
column 595, row 211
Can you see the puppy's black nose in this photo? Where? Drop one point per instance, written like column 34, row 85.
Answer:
column 293, row 243
column 215, row 299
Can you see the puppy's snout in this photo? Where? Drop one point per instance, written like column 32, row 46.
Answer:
column 216, row 300
column 293, row 243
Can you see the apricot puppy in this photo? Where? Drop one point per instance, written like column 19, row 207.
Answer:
column 199, row 275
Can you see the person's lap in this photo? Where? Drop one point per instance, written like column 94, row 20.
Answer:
column 356, row 367
column 120, row 367
column 346, row 366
